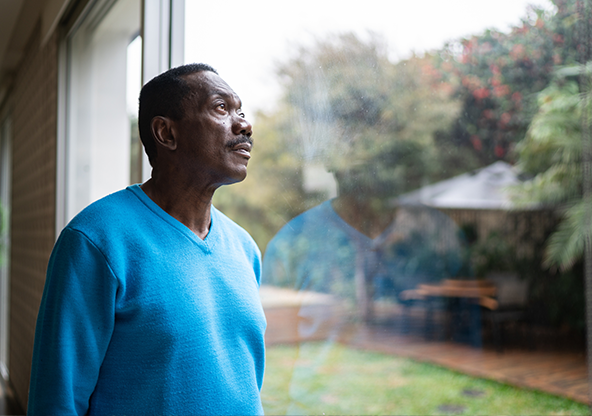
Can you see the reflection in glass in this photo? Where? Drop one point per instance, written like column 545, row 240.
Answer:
column 426, row 206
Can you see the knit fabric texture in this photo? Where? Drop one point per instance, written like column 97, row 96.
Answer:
column 139, row 316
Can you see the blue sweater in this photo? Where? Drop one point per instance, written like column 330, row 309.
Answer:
column 141, row 317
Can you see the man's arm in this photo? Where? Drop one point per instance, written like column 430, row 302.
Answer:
column 74, row 327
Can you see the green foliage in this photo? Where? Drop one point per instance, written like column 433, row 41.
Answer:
column 348, row 105
column 348, row 108
column 566, row 245
column 497, row 76
column 554, row 136
column 493, row 254
column 552, row 153
column 317, row 378
column 552, row 148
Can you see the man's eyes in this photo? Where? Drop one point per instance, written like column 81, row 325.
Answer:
column 222, row 106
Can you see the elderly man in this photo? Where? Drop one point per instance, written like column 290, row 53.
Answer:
column 151, row 300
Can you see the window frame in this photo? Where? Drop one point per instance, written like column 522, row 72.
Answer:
column 162, row 28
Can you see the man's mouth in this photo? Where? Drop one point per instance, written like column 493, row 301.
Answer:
column 242, row 146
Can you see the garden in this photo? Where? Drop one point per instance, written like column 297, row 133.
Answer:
column 351, row 381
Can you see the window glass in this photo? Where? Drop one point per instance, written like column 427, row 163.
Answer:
column 416, row 191
column 99, row 142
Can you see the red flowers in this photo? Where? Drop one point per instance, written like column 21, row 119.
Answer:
column 501, row 90
column 481, row 93
column 476, row 141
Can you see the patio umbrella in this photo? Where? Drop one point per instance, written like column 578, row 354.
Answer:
column 485, row 188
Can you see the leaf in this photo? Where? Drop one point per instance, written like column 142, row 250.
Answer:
column 566, row 245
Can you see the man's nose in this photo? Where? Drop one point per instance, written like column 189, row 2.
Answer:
column 243, row 127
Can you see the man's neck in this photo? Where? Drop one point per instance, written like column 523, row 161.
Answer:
column 185, row 202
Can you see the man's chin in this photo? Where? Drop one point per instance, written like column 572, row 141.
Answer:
column 237, row 176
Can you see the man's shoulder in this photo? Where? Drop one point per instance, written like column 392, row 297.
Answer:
column 227, row 222
column 108, row 212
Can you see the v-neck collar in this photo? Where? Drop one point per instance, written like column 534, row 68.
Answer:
column 207, row 244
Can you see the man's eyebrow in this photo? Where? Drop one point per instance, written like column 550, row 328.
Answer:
column 227, row 95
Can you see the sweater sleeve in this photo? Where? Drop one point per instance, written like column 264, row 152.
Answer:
column 74, row 327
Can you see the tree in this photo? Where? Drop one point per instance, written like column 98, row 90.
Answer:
column 552, row 154
column 348, row 103
column 498, row 75
column 346, row 107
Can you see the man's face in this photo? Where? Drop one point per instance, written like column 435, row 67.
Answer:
column 214, row 137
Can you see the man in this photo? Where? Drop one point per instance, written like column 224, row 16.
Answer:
column 151, row 300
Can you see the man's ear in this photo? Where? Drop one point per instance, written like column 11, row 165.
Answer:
column 163, row 133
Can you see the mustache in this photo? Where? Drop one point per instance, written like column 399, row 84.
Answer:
column 240, row 140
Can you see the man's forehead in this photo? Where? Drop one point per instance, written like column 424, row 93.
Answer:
column 207, row 83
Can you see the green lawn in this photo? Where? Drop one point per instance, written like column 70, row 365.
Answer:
column 323, row 378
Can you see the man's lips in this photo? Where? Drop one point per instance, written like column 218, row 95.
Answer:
column 242, row 145
column 244, row 149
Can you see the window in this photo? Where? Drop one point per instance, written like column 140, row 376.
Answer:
column 98, row 122
column 395, row 146
column 107, row 53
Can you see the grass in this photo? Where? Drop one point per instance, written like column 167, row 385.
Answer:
column 324, row 378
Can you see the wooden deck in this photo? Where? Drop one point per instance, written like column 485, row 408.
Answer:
column 560, row 373
column 553, row 367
